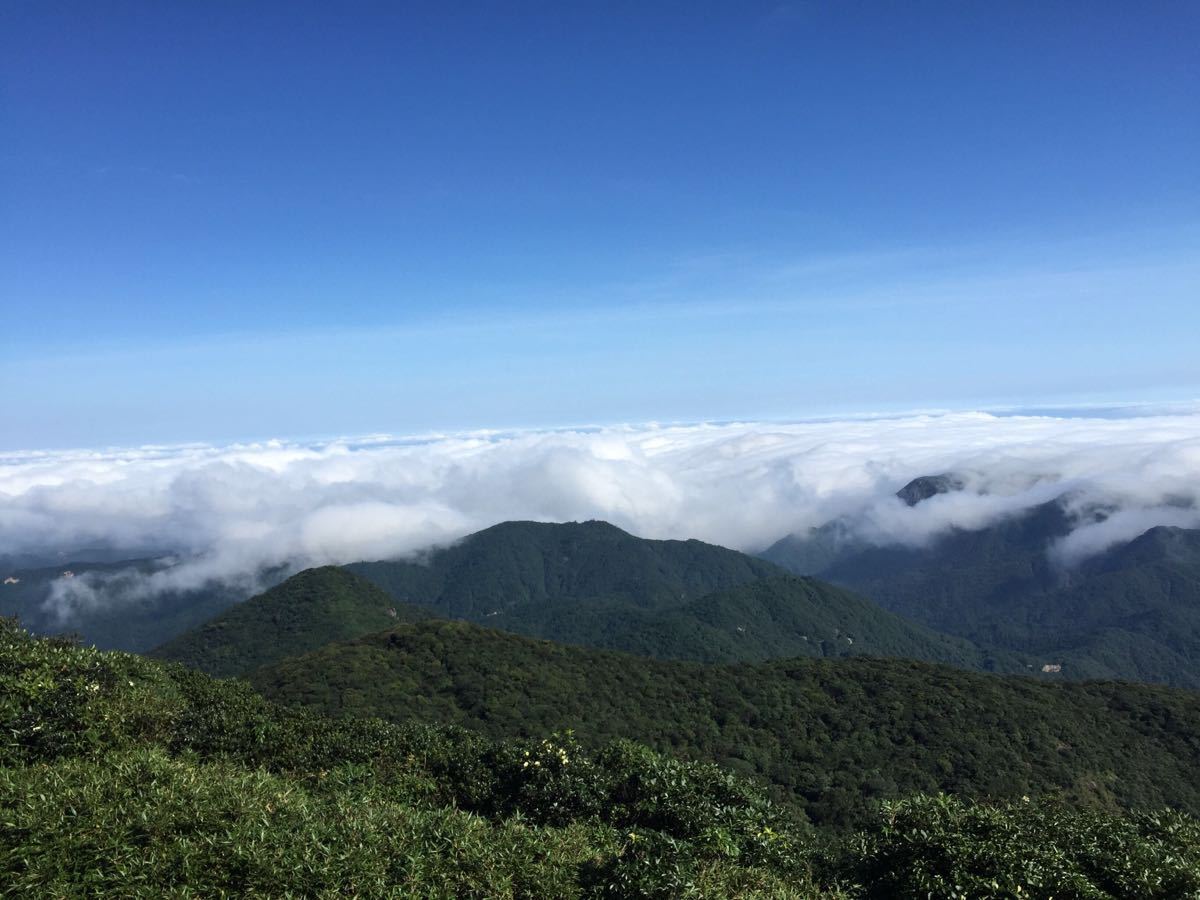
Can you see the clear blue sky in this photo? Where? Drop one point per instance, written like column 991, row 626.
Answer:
column 224, row 220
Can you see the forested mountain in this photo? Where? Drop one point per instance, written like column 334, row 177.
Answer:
column 832, row 737
column 1131, row 612
column 593, row 584
column 304, row 612
column 516, row 564
column 537, row 579
column 782, row 616
column 123, row 776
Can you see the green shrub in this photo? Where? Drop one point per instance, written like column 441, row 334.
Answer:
column 142, row 823
column 944, row 847
column 59, row 699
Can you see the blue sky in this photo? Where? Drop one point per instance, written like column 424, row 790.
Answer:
column 222, row 222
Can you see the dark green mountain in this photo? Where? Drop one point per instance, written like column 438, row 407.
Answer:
column 831, row 736
column 781, row 616
column 516, row 564
column 1131, row 612
column 304, row 612
column 538, row 580
column 967, row 580
column 593, row 584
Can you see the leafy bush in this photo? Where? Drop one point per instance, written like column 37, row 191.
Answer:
column 940, row 846
column 59, row 699
column 140, row 822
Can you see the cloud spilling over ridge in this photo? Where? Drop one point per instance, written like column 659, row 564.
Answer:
column 232, row 510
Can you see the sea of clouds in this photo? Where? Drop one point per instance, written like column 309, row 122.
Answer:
column 229, row 512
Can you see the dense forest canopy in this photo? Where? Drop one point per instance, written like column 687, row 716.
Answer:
column 816, row 743
column 1131, row 611
column 121, row 775
column 831, row 736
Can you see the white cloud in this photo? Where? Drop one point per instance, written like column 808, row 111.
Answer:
column 1121, row 526
column 235, row 509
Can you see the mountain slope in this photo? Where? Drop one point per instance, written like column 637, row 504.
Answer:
column 535, row 579
column 300, row 614
column 832, row 736
column 123, row 776
column 783, row 616
column 1131, row 612
column 592, row 584
column 517, row 563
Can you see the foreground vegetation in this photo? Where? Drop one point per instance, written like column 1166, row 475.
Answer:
column 124, row 776
column 831, row 737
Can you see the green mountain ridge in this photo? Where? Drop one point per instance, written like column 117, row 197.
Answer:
column 304, row 612
column 1130, row 612
column 831, row 736
column 582, row 583
column 516, row 563
column 595, row 585
column 781, row 616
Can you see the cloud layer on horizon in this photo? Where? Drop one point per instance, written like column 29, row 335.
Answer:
column 232, row 510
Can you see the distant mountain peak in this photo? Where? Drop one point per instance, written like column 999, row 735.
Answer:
column 300, row 614
column 529, row 526
column 1162, row 543
column 927, row 486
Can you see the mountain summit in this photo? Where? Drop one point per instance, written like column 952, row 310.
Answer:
column 927, row 486
column 589, row 584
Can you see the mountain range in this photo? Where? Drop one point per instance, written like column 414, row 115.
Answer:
column 995, row 598
column 1131, row 611
column 833, row 735
column 584, row 583
column 524, row 682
